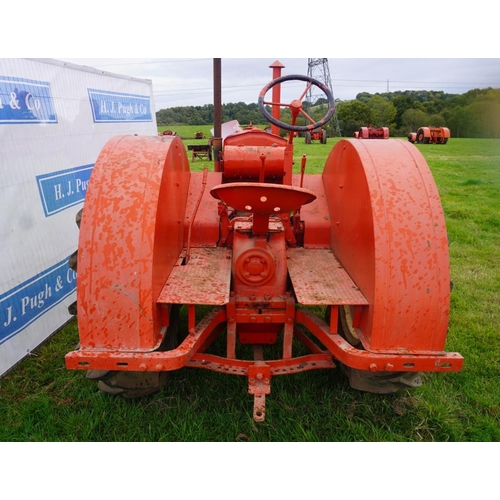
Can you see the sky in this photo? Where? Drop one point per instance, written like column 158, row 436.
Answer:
column 189, row 81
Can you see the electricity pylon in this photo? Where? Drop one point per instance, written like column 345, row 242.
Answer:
column 319, row 70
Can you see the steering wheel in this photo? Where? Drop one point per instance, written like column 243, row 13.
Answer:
column 296, row 105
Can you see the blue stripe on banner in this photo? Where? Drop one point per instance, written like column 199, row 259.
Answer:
column 22, row 305
column 25, row 101
column 112, row 107
column 63, row 189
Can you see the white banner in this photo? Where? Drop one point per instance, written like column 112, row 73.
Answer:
column 55, row 117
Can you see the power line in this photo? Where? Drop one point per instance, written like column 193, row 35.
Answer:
column 241, row 88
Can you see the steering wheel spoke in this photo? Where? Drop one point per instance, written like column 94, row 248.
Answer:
column 282, row 104
column 303, row 113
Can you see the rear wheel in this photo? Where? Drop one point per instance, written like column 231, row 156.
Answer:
column 364, row 380
column 131, row 384
column 139, row 384
column 308, row 137
column 323, row 137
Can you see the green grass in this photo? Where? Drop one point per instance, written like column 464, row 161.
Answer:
column 41, row 401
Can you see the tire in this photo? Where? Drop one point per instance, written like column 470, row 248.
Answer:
column 323, row 137
column 308, row 138
column 364, row 380
column 345, row 324
column 130, row 384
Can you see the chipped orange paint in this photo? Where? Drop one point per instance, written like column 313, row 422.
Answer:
column 369, row 232
column 128, row 242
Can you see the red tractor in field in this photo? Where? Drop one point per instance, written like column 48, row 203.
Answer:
column 315, row 135
column 430, row 135
column 371, row 132
column 287, row 271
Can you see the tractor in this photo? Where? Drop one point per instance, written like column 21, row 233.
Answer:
column 315, row 135
column 282, row 271
column 372, row 132
column 430, row 135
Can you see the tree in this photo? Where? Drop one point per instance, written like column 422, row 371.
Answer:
column 352, row 115
column 413, row 119
column 402, row 103
column 456, row 120
column 383, row 111
column 473, row 114
column 436, row 120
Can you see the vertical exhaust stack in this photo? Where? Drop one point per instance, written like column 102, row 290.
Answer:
column 276, row 112
column 217, row 139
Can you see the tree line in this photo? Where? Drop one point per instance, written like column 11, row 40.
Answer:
column 473, row 114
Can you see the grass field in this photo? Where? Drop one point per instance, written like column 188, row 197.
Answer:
column 41, row 401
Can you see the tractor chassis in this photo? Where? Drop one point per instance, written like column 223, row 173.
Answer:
column 191, row 353
column 259, row 246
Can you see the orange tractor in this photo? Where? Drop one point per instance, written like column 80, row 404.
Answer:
column 348, row 268
column 430, row 135
column 315, row 135
column 372, row 132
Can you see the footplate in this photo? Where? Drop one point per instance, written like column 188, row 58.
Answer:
column 206, row 279
column 318, row 278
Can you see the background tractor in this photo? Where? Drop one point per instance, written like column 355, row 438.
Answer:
column 289, row 271
column 315, row 135
column 372, row 132
column 430, row 135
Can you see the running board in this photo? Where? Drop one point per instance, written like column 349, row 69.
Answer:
column 318, row 278
column 205, row 279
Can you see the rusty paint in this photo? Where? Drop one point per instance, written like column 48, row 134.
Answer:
column 205, row 279
column 130, row 240
column 368, row 232
column 319, row 279
column 386, row 215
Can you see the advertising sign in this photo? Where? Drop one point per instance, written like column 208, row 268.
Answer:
column 55, row 118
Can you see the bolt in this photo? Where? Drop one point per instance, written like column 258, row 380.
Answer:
column 260, row 376
column 373, row 367
column 389, row 367
column 159, row 367
column 143, row 367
